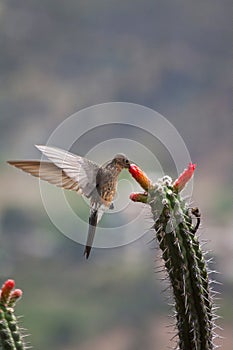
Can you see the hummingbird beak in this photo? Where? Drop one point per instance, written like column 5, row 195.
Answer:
column 130, row 162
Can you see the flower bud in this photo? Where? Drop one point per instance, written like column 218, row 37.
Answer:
column 138, row 197
column 140, row 177
column 180, row 183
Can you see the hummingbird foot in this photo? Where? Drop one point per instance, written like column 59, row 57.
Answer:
column 111, row 206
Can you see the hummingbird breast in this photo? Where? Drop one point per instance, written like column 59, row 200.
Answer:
column 108, row 192
column 106, row 183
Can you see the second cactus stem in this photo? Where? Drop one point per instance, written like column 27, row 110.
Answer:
column 11, row 337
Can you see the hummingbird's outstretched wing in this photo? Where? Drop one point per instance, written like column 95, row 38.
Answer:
column 79, row 169
column 67, row 170
column 46, row 171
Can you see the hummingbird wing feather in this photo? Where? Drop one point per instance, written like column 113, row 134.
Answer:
column 47, row 171
column 80, row 169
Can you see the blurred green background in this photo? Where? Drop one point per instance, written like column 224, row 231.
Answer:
column 58, row 57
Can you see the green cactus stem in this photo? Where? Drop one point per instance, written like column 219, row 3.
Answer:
column 175, row 227
column 10, row 334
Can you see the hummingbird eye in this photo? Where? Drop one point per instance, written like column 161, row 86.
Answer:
column 127, row 163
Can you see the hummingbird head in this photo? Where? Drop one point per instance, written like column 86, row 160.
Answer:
column 122, row 161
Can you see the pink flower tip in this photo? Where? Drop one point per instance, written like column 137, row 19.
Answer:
column 180, row 183
column 16, row 294
column 8, row 285
column 133, row 197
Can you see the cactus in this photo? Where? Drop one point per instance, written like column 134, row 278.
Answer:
column 10, row 333
column 175, row 228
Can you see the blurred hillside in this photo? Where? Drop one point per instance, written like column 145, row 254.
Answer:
column 58, row 57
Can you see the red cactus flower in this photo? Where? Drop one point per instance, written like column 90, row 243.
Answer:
column 138, row 197
column 17, row 293
column 8, row 296
column 14, row 297
column 6, row 291
column 180, row 183
column 140, row 177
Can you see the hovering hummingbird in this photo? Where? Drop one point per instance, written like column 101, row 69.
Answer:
column 72, row 172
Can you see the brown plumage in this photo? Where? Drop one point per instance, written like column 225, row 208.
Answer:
column 72, row 172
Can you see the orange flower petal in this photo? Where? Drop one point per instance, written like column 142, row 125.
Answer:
column 140, row 177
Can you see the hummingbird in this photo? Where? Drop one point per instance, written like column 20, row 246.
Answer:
column 73, row 172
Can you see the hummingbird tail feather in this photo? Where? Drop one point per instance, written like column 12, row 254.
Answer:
column 91, row 232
